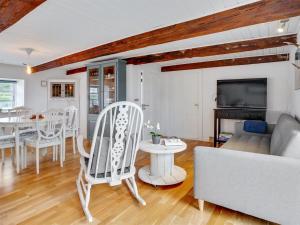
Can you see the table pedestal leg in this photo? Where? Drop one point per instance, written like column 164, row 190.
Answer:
column 17, row 150
column 161, row 164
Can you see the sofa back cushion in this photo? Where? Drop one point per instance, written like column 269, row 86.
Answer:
column 285, row 140
column 256, row 126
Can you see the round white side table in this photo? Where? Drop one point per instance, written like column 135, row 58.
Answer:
column 161, row 170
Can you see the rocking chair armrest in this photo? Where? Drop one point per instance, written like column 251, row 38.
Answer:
column 81, row 148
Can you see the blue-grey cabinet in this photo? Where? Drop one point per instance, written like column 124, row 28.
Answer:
column 106, row 85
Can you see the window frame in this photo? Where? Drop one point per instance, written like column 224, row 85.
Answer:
column 14, row 95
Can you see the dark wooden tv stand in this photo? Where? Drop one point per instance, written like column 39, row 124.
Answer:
column 235, row 113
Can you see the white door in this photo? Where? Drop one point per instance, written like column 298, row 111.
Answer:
column 201, row 106
column 172, row 99
column 149, row 94
column 184, row 105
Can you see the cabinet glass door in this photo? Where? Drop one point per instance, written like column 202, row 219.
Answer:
column 109, row 84
column 94, row 91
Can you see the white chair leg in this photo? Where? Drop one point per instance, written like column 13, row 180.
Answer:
column 18, row 157
column 74, row 144
column 25, row 155
column 53, row 153
column 22, row 157
column 84, row 201
column 3, row 156
column 12, row 154
column 56, row 152
column 64, row 148
column 61, row 155
column 133, row 188
column 37, row 160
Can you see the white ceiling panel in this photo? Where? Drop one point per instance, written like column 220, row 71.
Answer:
column 58, row 28
column 245, row 33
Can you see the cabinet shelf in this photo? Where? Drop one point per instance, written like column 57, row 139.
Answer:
column 108, row 79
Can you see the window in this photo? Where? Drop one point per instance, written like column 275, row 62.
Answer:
column 62, row 89
column 8, row 94
column 69, row 90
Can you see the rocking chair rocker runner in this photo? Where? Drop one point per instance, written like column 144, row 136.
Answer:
column 114, row 147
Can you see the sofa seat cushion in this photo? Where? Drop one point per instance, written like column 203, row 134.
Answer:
column 249, row 143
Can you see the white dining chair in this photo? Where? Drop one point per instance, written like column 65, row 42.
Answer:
column 49, row 134
column 8, row 142
column 22, row 111
column 114, row 147
column 71, row 125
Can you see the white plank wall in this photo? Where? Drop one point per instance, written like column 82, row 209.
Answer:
column 174, row 95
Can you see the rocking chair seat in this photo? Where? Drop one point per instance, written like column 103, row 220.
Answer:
column 69, row 133
column 108, row 173
column 103, row 158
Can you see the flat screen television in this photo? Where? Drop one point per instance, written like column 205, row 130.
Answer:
column 242, row 93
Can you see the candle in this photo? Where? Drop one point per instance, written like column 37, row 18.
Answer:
column 157, row 126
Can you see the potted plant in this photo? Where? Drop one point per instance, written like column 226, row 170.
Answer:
column 154, row 133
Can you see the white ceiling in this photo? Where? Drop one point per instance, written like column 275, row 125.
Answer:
column 58, row 28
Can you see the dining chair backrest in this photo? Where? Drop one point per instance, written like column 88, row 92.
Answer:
column 71, row 120
column 52, row 125
column 115, row 142
column 6, row 130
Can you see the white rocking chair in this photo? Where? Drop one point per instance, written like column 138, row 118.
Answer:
column 114, row 147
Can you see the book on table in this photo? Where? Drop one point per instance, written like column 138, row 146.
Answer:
column 225, row 136
column 173, row 142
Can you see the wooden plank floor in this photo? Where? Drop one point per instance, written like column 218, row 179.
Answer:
column 51, row 197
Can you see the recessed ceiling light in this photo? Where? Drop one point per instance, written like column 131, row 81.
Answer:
column 280, row 30
column 282, row 25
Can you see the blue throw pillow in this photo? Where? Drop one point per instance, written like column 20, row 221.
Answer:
column 256, row 126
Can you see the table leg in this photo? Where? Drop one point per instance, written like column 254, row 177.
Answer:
column 161, row 164
column 219, row 128
column 215, row 129
column 17, row 149
column 162, row 170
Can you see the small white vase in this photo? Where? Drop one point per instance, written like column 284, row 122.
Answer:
column 155, row 139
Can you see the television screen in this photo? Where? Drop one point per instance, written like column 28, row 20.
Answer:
column 242, row 93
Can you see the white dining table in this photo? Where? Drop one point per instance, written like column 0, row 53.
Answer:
column 16, row 123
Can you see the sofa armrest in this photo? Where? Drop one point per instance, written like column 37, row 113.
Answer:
column 266, row 186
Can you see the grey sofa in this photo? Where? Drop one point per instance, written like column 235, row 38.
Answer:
column 257, row 174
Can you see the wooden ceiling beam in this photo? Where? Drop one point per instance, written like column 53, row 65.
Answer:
column 11, row 11
column 227, row 48
column 258, row 12
column 227, row 62
column 77, row 70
